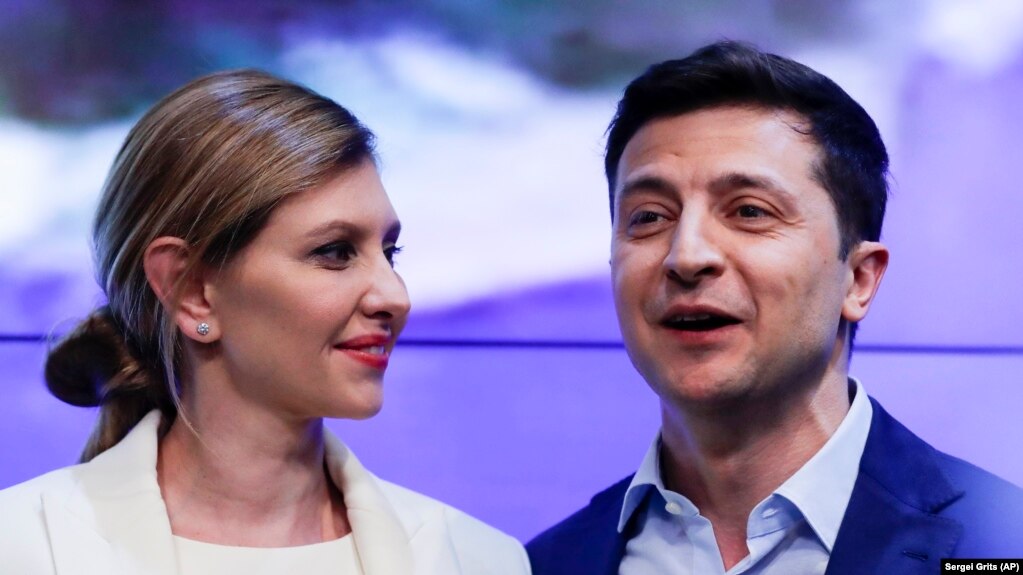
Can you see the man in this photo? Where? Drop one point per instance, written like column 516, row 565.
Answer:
column 747, row 195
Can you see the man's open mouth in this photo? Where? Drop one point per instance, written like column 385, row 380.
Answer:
column 698, row 321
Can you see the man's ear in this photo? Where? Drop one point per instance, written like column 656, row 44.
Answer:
column 182, row 293
column 867, row 263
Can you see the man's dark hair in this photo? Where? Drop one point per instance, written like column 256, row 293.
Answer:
column 853, row 166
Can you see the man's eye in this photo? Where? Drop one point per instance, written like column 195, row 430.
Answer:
column 645, row 217
column 751, row 211
column 390, row 252
column 339, row 252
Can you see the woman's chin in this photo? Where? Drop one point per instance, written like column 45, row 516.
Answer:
column 358, row 408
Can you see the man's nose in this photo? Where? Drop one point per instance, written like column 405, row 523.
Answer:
column 695, row 252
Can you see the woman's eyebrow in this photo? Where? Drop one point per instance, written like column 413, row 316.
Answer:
column 351, row 230
column 335, row 226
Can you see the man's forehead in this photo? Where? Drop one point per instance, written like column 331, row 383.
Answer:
column 726, row 113
column 734, row 128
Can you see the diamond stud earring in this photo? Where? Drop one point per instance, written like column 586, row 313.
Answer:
column 203, row 328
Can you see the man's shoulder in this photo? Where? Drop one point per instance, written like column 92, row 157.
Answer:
column 987, row 509
column 986, row 485
column 593, row 528
column 601, row 513
column 990, row 510
column 892, row 442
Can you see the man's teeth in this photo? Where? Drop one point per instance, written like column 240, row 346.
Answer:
column 691, row 317
column 699, row 321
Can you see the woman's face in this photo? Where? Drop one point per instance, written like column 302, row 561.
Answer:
column 308, row 312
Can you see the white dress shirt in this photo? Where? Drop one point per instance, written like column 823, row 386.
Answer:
column 793, row 530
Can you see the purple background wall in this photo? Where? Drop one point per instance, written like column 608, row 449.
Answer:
column 490, row 141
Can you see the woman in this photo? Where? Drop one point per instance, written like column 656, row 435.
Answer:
column 245, row 245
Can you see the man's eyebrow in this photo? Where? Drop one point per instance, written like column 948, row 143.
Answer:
column 740, row 180
column 650, row 183
column 727, row 182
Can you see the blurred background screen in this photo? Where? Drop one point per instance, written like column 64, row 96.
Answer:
column 511, row 396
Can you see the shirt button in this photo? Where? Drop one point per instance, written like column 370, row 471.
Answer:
column 673, row 508
column 769, row 512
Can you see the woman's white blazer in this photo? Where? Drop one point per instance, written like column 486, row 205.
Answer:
column 107, row 517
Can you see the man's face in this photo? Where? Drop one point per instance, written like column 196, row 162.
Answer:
column 725, row 258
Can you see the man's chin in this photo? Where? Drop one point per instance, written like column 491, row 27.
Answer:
column 694, row 395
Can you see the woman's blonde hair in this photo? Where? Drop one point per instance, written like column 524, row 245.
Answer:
column 206, row 164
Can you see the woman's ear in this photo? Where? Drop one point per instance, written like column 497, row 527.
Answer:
column 181, row 292
column 867, row 264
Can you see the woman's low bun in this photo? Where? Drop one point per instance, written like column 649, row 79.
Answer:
column 94, row 366
column 84, row 365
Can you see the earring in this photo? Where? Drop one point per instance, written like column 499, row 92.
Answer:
column 203, row 328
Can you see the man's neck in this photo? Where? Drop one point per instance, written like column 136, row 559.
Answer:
column 728, row 460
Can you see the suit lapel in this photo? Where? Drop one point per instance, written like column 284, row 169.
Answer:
column 115, row 498
column 610, row 548
column 611, row 542
column 892, row 523
column 593, row 545
column 596, row 549
column 881, row 535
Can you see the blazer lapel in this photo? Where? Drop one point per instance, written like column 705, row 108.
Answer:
column 113, row 520
column 381, row 539
column 78, row 549
column 892, row 523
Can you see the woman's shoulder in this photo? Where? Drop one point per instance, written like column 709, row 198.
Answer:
column 480, row 547
column 26, row 497
column 24, row 540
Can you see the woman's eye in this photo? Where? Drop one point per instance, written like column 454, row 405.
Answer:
column 390, row 252
column 337, row 252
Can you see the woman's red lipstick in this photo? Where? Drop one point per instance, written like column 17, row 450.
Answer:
column 371, row 350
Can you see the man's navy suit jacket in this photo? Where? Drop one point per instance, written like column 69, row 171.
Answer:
column 911, row 506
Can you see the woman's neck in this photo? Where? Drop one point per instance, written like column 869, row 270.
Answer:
column 237, row 475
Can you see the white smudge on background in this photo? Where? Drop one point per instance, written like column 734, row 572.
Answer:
column 981, row 36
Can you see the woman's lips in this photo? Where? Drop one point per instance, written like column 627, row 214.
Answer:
column 372, row 359
column 370, row 350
